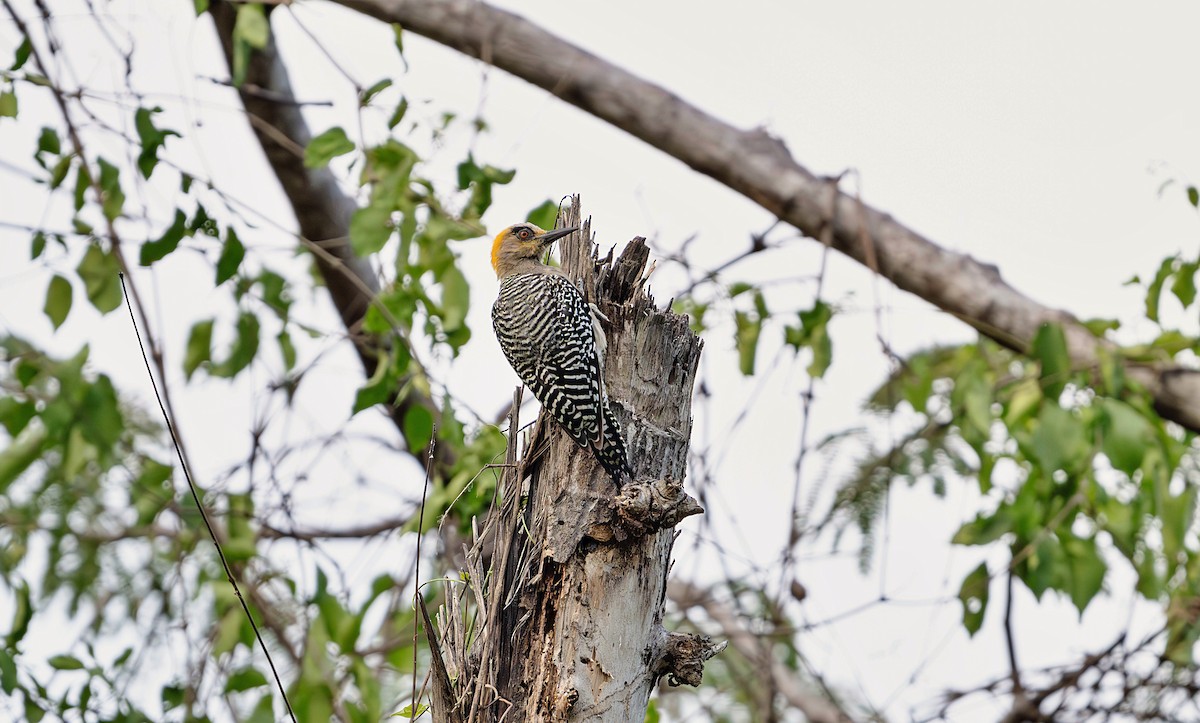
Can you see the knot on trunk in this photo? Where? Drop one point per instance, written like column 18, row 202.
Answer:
column 682, row 657
column 651, row 505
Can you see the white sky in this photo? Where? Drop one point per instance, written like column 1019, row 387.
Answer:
column 1022, row 134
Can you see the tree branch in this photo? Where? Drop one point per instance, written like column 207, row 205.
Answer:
column 761, row 168
column 322, row 211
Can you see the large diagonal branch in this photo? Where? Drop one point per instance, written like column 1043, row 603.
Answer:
column 322, row 210
column 761, row 168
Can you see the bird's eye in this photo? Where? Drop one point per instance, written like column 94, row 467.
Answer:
column 524, row 234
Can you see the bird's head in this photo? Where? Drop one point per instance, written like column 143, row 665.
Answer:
column 522, row 241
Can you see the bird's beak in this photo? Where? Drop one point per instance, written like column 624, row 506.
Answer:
column 551, row 236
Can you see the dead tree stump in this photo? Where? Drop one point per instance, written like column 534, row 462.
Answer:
column 573, row 629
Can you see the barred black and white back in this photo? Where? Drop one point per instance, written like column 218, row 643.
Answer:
column 549, row 334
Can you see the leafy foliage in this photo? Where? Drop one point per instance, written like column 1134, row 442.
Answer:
column 87, row 486
column 1068, row 460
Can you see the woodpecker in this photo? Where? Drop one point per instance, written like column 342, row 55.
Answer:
column 553, row 340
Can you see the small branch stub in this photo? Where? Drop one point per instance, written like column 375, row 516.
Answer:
column 642, row 508
column 651, row 505
column 683, row 656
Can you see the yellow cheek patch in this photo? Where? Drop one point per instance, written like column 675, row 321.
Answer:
column 496, row 250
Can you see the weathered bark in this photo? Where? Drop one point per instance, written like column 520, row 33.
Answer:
column 575, row 630
column 761, row 168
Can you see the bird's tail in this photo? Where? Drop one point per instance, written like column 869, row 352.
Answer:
column 612, row 453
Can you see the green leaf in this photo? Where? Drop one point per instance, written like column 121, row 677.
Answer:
column 1059, row 441
column 1122, row 523
column 201, row 6
column 748, row 328
column 1150, row 583
column 232, row 253
column 250, row 31
column 314, row 700
column 456, row 299
column 228, row 632
column 407, row 711
column 652, row 714
column 418, row 427
column 99, row 271
column 1184, row 286
column 1173, row 342
column 251, row 25
column 1050, row 348
column 274, row 293
column 37, row 246
column 984, row 529
column 1099, row 327
column 112, row 198
column 1154, row 290
column 1126, row 435
column 1176, row 514
column 21, row 453
column 83, row 181
column 364, row 99
column 58, row 300
column 811, row 333
column 243, row 350
column 1044, row 568
column 328, row 145
column 100, row 415
column 199, row 347
column 34, row 713
column 370, row 228
column 480, row 181
column 59, row 172
column 22, row 54
column 245, row 679
column 8, row 104
column 16, row 414
column 65, row 662
column 156, row 250
column 48, row 142
column 1085, row 571
column 398, row 34
column 264, row 711
column 22, row 615
column 8, row 670
column 152, row 483
column 287, row 350
column 974, row 598
column 738, row 288
column 973, row 395
column 440, row 228
column 544, row 215
column 241, row 540
column 379, row 389
column 398, row 114
column 1026, row 396
column 152, row 138
column 760, row 305
column 172, row 697
column 1193, row 196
